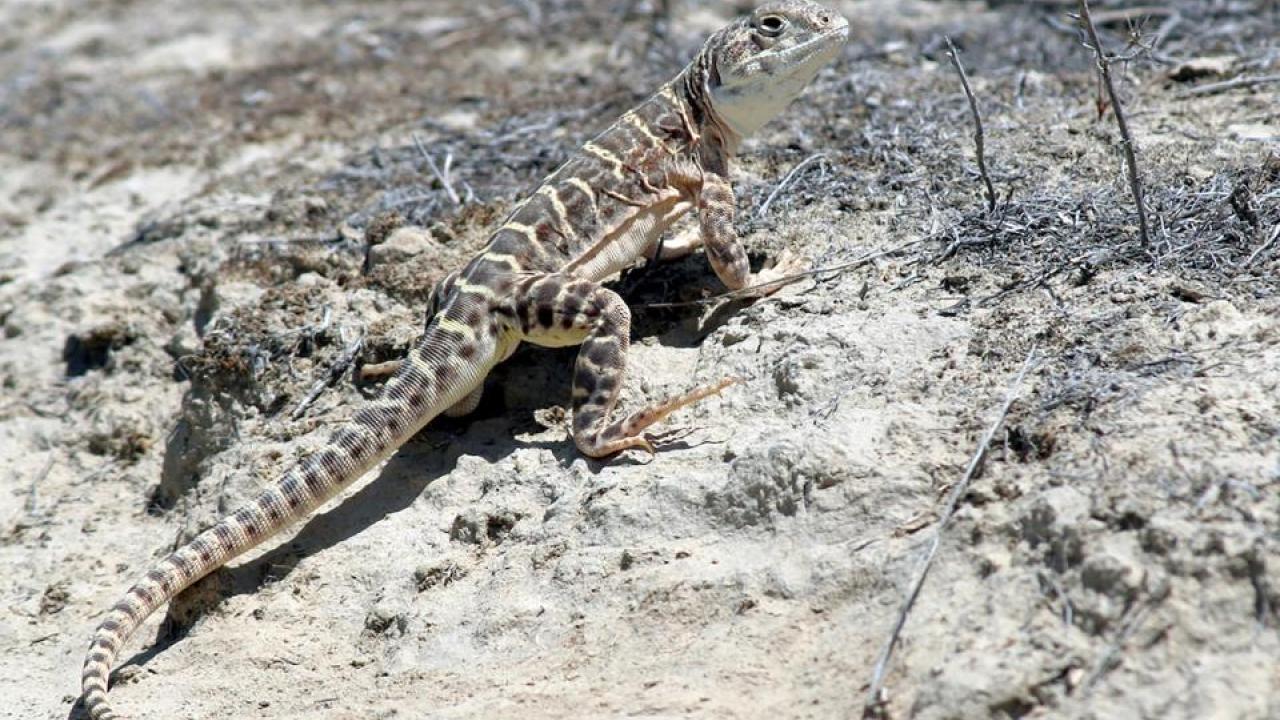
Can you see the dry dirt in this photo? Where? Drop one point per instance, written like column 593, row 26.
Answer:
column 187, row 197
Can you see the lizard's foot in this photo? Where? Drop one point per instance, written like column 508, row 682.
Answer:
column 629, row 432
column 377, row 372
column 556, row 309
column 785, row 264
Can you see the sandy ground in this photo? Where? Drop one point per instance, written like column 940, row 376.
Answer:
column 187, row 203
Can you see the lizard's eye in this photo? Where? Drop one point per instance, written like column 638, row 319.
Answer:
column 771, row 25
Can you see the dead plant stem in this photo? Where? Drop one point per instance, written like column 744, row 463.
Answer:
column 1126, row 139
column 787, row 180
column 978, row 134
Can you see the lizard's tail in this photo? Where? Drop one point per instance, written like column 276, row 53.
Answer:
column 410, row 399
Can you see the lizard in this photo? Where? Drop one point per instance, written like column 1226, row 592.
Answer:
column 539, row 280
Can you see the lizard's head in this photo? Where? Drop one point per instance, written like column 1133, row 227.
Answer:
column 757, row 65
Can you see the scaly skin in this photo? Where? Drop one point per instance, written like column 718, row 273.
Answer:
column 539, row 280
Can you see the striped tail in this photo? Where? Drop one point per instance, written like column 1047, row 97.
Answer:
column 417, row 393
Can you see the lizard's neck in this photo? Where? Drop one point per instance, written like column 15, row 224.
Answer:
column 693, row 88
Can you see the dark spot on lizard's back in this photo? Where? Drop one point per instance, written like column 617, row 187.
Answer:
column 546, row 316
column 246, row 520
column 185, row 565
column 502, row 284
column 547, row 293
column 571, row 304
column 509, row 242
column 578, row 207
column 548, row 235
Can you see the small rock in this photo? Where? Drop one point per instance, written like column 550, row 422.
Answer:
column 54, row 599
column 402, row 244
column 477, row 528
column 429, row 576
column 1057, row 512
column 1114, row 566
column 385, row 621
column 184, row 343
column 1208, row 66
column 90, row 350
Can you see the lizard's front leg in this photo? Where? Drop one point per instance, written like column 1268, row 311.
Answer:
column 716, row 211
column 558, row 310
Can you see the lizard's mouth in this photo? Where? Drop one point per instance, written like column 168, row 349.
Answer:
column 826, row 43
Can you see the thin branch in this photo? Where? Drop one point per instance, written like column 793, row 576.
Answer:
column 872, row 707
column 443, row 177
column 319, row 239
column 1126, row 139
column 787, row 181
column 335, row 371
column 978, row 135
column 1275, row 235
column 1109, row 659
column 1217, row 87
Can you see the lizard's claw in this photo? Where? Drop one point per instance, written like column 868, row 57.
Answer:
column 667, row 437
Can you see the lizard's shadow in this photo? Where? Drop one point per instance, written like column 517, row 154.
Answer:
column 674, row 317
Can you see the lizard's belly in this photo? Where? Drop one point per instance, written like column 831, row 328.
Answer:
column 634, row 237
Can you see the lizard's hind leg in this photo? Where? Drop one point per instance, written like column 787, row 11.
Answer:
column 556, row 310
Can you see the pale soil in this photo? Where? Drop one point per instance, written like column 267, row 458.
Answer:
column 183, row 207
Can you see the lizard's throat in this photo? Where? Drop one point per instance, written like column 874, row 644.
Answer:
column 746, row 109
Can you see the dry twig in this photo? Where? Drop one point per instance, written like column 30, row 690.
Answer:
column 978, row 135
column 873, row 704
column 1126, row 139
column 1217, row 87
column 786, row 180
column 1110, row 658
column 1275, row 235
column 443, row 177
column 335, row 371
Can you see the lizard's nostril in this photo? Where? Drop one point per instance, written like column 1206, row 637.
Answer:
column 824, row 19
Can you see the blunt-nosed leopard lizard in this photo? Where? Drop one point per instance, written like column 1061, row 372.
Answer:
column 539, row 280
